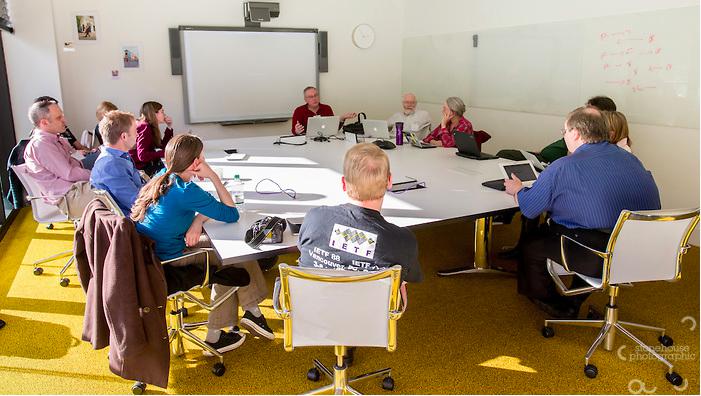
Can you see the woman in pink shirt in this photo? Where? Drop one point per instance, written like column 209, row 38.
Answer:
column 452, row 121
column 148, row 138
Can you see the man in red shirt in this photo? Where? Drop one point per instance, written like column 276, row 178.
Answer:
column 313, row 107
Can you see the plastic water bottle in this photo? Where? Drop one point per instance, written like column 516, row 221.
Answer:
column 236, row 188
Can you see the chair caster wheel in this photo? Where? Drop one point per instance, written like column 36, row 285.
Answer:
column 313, row 374
column 666, row 340
column 50, row 226
column 138, row 388
column 184, row 312
column 591, row 371
column 218, row 369
column 38, row 271
column 547, row 331
column 674, row 378
column 64, row 282
column 388, row 383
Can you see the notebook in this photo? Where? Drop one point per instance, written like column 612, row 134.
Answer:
column 416, row 142
column 467, row 147
column 376, row 128
column 536, row 162
column 322, row 126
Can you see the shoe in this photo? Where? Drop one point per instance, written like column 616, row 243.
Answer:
column 556, row 311
column 228, row 341
column 257, row 325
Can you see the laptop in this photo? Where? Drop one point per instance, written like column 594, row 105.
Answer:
column 524, row 170
column 534, row 160
column 467, row 147
column 376, row 128
column 320, row 127
column 416, row 142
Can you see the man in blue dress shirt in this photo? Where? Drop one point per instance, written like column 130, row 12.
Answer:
column 114, row 170
column 584, row 193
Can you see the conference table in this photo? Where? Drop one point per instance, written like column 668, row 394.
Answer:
column 311, row 176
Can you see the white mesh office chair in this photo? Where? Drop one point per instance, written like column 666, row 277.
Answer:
column 44, row 213
column 644, row 246
column 322, row 307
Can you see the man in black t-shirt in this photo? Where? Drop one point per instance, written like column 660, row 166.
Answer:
column 354, row 236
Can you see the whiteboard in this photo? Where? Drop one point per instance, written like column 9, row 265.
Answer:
column 647, row 62
column 238, row 75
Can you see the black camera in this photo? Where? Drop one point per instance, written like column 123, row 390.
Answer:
column 266, row 230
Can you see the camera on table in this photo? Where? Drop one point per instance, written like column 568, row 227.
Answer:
column 266, row 230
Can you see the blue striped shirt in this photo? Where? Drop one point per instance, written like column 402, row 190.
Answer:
column 590, row 187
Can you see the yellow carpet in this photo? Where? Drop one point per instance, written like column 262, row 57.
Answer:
column 460, row 335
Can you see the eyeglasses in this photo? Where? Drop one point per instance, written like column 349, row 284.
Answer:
column 563, row 131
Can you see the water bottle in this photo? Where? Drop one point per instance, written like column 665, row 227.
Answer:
column 236, row 188
column 399, row 138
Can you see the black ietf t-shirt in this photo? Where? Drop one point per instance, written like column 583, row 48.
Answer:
column 354, row 238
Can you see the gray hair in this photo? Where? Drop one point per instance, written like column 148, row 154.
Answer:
column 590, row 124
column 40, row 111
column 456, row 105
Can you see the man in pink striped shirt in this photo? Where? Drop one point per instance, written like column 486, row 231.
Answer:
column 63, row 180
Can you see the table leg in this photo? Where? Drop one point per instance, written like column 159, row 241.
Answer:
column 483, row 237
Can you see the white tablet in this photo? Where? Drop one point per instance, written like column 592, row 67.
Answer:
column 522, row 169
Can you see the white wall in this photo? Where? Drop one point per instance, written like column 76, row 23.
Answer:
column 86, row 79
column 672, row 154
column 30, row 57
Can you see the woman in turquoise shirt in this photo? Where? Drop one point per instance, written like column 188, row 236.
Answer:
column 171, row 210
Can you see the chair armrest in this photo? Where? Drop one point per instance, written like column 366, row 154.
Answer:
column 33, row 197
column 276, row 301
column 550, row 265
column 404, row 301
column 204, row 251
column 563, row 238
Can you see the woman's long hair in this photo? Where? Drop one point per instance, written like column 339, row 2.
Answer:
column 148, row 114
column 618, row 126
column 180, row 153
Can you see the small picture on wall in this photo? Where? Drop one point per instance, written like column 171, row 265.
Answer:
column 86, row 27
column 131, row 57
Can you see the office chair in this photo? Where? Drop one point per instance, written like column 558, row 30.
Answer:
column 178, row 329
column 44, row 213
column 322, row 307
column 644, row 246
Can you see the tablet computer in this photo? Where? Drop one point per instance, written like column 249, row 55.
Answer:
column 522, row 169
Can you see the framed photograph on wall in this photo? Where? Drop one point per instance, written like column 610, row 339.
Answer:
column 85, row 26
column 131, row 56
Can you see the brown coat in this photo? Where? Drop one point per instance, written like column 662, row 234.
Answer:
column 125, row 295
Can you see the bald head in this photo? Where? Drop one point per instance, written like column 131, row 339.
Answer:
column 409, row 103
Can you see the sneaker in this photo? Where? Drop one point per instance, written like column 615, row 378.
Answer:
column 228, row 341
column 257, row 325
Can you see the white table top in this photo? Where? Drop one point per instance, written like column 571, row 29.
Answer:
column 314, row 171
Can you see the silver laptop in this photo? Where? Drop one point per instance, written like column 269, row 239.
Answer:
column 376, row 128
column 322, row 126
column 534, row 160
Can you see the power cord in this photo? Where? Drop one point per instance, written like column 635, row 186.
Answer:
column 287, row 191
column 279, row 140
